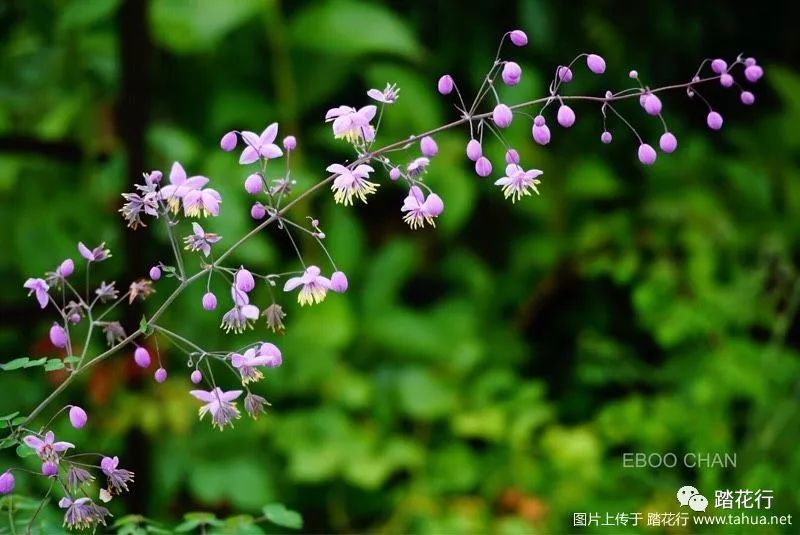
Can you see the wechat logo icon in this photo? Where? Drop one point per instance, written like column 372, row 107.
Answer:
column 690, row 496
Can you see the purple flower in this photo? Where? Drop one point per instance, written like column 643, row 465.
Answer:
column 262, row 146
column 512, row 73
column 352, row 124
column 417, row 167
column 483, row 167
column 118, row 478
column 647, row 154
column 6, row 482
column 155, row 273
column 241, row 315
column 98, row 254
column 419, row 209
column 652, row 104
column 113, row 331
column 160, row 375
column 203, row 202
column 77, row 417
column 58, row 336
column 719, row 66
column 445, row 85
column 66, row 268
column 512, row 156
column 565, row 116
column 82, row 513
column 726, row 80
column 606, row 137
column 228, row 141
column 275, row 315
column 394, row 173
column 564, row 73
column 244, row 280
column 49, row 469
column 136, row 205
column 254, row 405
column 254, row 184
column 77, row 476
column 541, row 132
column 428, row 146
column 747, row 98
column 179, row 185
column 107, row 292
column 668, row 142
column 257, row 211
column 196, row 377
column 209, row 301
column 351, row 183
column 314, row 287
column 246, row 364
column 387, row 96
column 220, row 404
column 339, row 282
column 518, row 182
column 502, row 116
column 290, row 143
column 519, row 38
column 272, row 353
column 142, row 357
column 474, row 150
column 714, row 120
column 201, row 240
column 47, row 449
column 596, row 64
column 753, row 73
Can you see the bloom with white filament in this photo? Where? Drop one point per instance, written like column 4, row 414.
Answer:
column 352, row 124
column 518, row 182
column 314, row 287
column 351, row 183
column 220, row 404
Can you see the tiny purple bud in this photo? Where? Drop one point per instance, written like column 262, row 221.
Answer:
column 339, row 282
column 565, row 116
column 445, row 85
column 66, row 268
column 428, row 146
column 541, row 134
column 435, row 205
column 160, row 375
column 538, row 120
column 394, row 173
column 512, row 156
column 633, row 75
column 156, row 176
column 483, row 166
column 228, row 141
column 58, row 336
column 519, row 38
column 652, row 104
column 253, row 184
column 719, row 66
column 257, row 211
column 512, row 73
column 564, row 73
column 244, row 280
column 502, row 116
column 142, row 357
column 155, row 273
column 714, row 120
column 474, row 150
column 749, row 61
column 49, row 468
column 606, row 137
column 647, row 154
column 75, row 318
column 290, row 143
column 668, row 142
column 6, row 482
column 209, row 301
column 596, row 64
column 726, row 80
column 747, row 98
column 753, row 73
column 77, row 417
column 196, row 376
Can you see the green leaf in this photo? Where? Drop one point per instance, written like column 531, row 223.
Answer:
column 24, row 451
column 336, row 27
column 15, row 364
column 53, row 365
column 34, row 363
column 80, row 13
column 8, row 416
column 72, row 359
column 143, row 325
column 277, row 513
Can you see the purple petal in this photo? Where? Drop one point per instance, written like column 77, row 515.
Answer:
column 292, row 283
column 62, row 446
column 230, row 396
column 177, row 175
column 33, row 442
column 85, row 252
column 202, row 395
column 337, row 168
column 251, row 139
column 271, row 151
column 249, row 155
column 269, row 134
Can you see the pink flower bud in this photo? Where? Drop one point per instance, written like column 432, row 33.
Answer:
column 541, row 134
column 228, row 141
column 209, row 301
column 77, row 417
column 753, row 73
column 445, row 85
column 714, row 120
column 339, row 282
column 647, row 154
column 196, row 376
column 668, row 142
column 512, row 73
column 606, row 137
column 290, row 143
column 652, row 104
column 747, row 98
column 564, row 74
column 483, row 166
column 394, row 173
column 719, row 66
column 142, row 357
column 502, row 116
column 519, row 38
column 596, row 64
column 428, row 146
column 512, row 156
column 75, row 318
column 155, row 176
column 58, row 336
column 726, row 80
column 749, row 61
column 49, row 468
column 244, row 280
column 538, row 120
column 66, row 268
column 253, row 184
column 633, row 75
column 434, row 204
column 474, row 150
column 257, row 211
column 6, row 482
column 160, row 375
column 155, row 273
column 565, row 116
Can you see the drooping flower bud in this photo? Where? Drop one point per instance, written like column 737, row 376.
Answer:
column 257, row 211
column 726, row 80
column 228, row 141
column 434, row 204
column 719, row 66
column 253, row 184
column 502, row 116
column 519, row 38
column 565, row 116
column 512, row 73
column 753, row 73
column 77, row 417
column 272, row 352
column 541, row 134
column 339, row 282
column 394, row 173
column 445, row 85
column 564, row 73
column 244, row 280
column 647, row 154
column 58, row 336
column 160, row 375
column 49, row 468
column 155, row 273
column 196, row 377
column 512, row 156
column 483, row 167
column 633, row 75
column 428, row 146
column 474, row 150
column 596, row 64
column 652, row 104
column 668, row 142
column 209, row 301
column 6, row 482
column 606, row 137
column 66, row 268
column 714, row 120
column 747, row 98
column 290, row 143
column 142, row 357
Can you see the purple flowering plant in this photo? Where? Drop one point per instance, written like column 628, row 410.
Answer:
column 183, row 204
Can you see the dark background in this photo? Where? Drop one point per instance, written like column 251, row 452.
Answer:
column 486, row 376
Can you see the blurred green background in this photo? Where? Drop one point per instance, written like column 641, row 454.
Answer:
column 483, row 377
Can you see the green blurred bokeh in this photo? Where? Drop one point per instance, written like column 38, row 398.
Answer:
column 483, row 377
